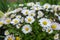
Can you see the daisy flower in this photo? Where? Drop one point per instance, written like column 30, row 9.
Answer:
column 6, row 32
column 26, row 29
column 9, row 37
column 22, row 19
column 56, row 36
column 29, row 19
column 37, row 3
column 15, row 21
column 49, row 30
column 46, row 6
column 18, row 16
column 12, row 15
column 25, row 12
column 18, row 26
column 7, row 14
column 56, row 14
column 44, row 22
column 18, row 38
column 16, row 10
column 36, row 7
column 58, row 7
column 21, row 4
column 55, row 26
column 40, row 14
column 24, row 8
column 54, row 7
column 7, row 21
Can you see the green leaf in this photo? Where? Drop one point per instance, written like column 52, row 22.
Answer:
column 1, row 14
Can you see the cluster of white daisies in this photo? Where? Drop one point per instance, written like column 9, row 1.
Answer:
column 24, row 17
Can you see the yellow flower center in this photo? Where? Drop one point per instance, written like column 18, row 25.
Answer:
column 44, row 22
column 10, row 38
column 26, row 28
column 8, row 21
column 29, row 19
column 31, row 14
column 1, row 23
column 53, row 26
column 7, row 32
column 46, row 6
column 26, row 12
column 15, row 21
column 17, row 38
column 55, row 36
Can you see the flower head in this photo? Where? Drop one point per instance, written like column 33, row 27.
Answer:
column 29, row 19
column 44, row 22
column 26, row 29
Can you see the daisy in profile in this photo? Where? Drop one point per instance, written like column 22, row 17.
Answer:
column 22, row 19
column 46, row 6
column 55, row 26
column 32, row 13
column 44, row 22
column 12, row 15
column 30, row 4
column 24, row 8
column 29, row 19
column 26, row 29
column 9, row 37
column 49, row 30
column 40, row 14
column 25, row 12
column 18, row 16
column 18, row 25
column 15, row 21
column 21, row 5
column 36, row 7
column 7, row 14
